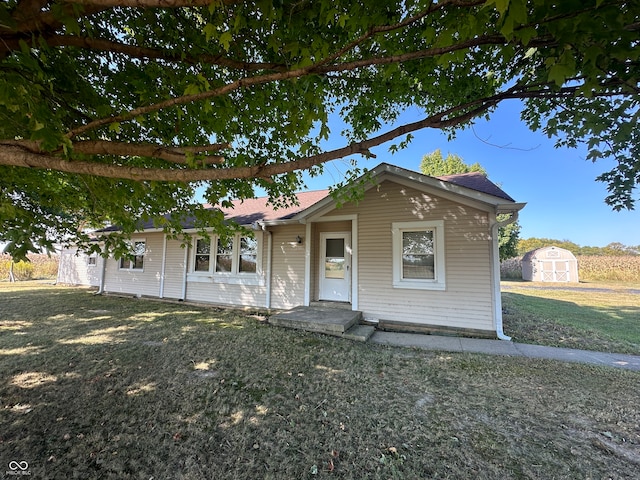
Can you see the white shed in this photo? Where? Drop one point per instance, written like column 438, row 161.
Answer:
column 549, row 264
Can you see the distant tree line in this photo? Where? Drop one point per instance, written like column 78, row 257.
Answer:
column 613, row 249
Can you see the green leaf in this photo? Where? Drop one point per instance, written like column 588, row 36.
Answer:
column 209, row 31
column 501, row 5
column 225, row 40
column 526, row 34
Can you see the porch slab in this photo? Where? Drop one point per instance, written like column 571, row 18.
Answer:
column 331, row 321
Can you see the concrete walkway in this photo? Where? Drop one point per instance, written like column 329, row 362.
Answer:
column 501, row 347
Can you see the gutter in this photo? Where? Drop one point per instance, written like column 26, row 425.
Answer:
column 495, row 254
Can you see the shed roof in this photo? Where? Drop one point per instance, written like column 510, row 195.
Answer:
column 533, row 254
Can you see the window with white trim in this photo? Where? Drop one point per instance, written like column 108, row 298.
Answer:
column 136, row 261
column 248, row 261
column 92, row 260
column 418, row 255
column 234, row 257
column 224, row 255
column 202, row 259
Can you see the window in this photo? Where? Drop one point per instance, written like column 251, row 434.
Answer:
column 203, row 255
column 418, row 259
column 334, row 258
column 418, row 255
column 137, row 261
column 248, row 255
column 224, row 255
column 233, row 257
column 92, row 260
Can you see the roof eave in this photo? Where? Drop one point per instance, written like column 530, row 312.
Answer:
column 411, row 179
column 510, row 207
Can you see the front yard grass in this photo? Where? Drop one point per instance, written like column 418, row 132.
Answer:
column 106, row 387
column 594, row 316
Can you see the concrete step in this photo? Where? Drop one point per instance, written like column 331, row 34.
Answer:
column 359, row 333
column 317, row 319
column 329, row 304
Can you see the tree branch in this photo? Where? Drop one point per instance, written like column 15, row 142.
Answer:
column 136, row 51
column 24, row 154
column 42, row 21
column 105, row 147
column 150, row 3
column 13, row 154
column 290, row 74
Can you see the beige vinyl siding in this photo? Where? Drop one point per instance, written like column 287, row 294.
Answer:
column 467, row 300
column 138, row 282
column 227, row 294
column 287, row 265
column 174, row 269
column 74, row 268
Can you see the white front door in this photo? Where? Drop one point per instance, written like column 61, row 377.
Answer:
column 335, row 267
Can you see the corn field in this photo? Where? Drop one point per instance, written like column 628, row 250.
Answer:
column 609, row 268
column 591, row 268
column 40, row 267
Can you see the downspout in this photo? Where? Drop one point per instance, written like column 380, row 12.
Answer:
column 268, row 269
column 495, row 260
column 184, row 273
column 163, row 267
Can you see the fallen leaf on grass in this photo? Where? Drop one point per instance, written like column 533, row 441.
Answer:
column 330, row 466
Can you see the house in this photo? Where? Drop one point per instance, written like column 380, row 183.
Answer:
column 414, row 252
column 77, row 268
column 549, row 264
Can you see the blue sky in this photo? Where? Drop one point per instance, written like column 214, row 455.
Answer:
column 564, row 201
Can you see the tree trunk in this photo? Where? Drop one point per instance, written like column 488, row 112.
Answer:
column 12, row 278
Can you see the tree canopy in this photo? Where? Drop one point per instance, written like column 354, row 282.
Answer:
column 114, row 111
column 435, row 165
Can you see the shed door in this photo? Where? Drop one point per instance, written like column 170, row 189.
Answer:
column 555, row 270
column 335, row 267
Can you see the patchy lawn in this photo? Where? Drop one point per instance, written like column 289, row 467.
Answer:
column 594, row 316
column 106, row 387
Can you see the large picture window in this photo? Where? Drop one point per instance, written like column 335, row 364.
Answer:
column 225, row 259
column 418, row 255
column 136, row 262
